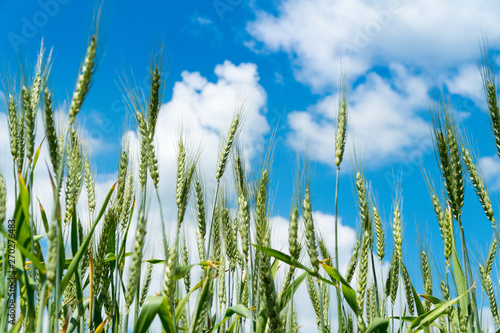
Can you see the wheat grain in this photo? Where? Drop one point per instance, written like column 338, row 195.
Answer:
column 84, row 79
column 488, row 289
column 312, row 248
column 89, row 182
column 50, row 129
column 143, row 164
column 479, row 184
column 362, row 278
column 122, row 176
column 313, row 296
column 127, row 201
column 351, row 267
column 13, row 126
column 155, row 99
column 185, row 262
column 363, row 202
column 222, row 282
column 491, row 256
column 410, row 301
column 135, row 265
column 426, row 276
column 340, row 139
column 221, row 167
column 146, row 284
column 202, row 225
column 379, row 231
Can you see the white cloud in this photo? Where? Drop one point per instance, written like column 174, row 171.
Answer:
column 385, row 123
column 204, row 109
column 466, row 82
column 203, row 20
column 317, row 33
column 491, row 168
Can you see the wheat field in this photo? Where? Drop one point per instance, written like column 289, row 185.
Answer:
column 60, row 274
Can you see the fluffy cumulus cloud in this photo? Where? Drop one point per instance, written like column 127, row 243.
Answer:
column 318, row 32
column 203, row 110
column 385, row 123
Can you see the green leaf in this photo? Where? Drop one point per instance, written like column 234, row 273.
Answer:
column 274, row 268
column 349, row 293
column 31, row 256
column 39, row 265
column 181, row 271
column 432, row 299
column 281, row 256
column 204, row 294
column 182, row 304
column 156, row 261
column 419, row 306
column 111, row 256
column 35, row 159
column 405, row 318
column 152, row 306
column 459, row 278
column 288, row 293
column 378, row 325
column 74, row 233
column 239, row 309
column 288, row 260
column 22, row 216
column 74, row 321
column 44, row 216
column 36, row 238
column 429, row 317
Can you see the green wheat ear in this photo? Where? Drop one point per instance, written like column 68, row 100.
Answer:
column 312, row 247
column 231, row 136
column 342, row 119
column 84, row 79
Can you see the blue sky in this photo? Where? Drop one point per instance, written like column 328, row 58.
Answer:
column 285, row 56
